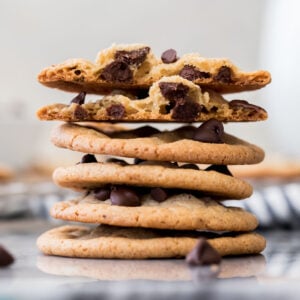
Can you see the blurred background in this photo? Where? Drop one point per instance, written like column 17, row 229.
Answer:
column 254, row 34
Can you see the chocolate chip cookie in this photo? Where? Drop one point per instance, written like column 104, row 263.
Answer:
column 135, row 67
column 170, row 99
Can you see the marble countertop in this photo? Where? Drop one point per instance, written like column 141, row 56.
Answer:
column 275, row 274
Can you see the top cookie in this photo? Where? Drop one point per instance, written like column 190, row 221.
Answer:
column 132, row 67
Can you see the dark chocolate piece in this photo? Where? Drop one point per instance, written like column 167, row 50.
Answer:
column 134, row 57
column 145, row 131
column 6, row 258
column 124, row 196
column 244, row 104
column 159, row 194
column 102, row 193
column 169, row 56
column 117, row 71
column 88, row 158
column 192, row 73
column 79, row 99
column 186, row 111
column 116, row 111
column 190, row 166
column 120, row 162
column 224, row 75
column 80, row 113
column 173, row 90
column 211, row 131
column 219, row 168
column 203, row 254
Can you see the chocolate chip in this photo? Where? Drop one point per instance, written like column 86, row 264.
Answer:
column 219, row 168
column 79, row 99
column 192, row 73
column 186, row 132
column 186, row 111
column 77, row 72
column 80, row 113
column 145, row 131
column 124, row 196
column 173, row 90
column 134, row 57
column 6, row 258
column 211, row 131
column 203, row 254
column 120, row 162
column 159, row 194
column 224, row 75
column 117, row 71
column 169, row 56
column 88, row 158
column 244, row 104
column 116, row 111
column 190, row 166
column 102, row 193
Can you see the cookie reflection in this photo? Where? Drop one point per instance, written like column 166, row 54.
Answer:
column 155, row 269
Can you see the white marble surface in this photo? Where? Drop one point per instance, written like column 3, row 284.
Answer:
column 275, row 274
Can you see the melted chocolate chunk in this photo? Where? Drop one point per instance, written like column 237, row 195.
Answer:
column 186, row 111
column 211, row 131
column 169, row 56
column 244, row 104
column 88, row 158
column 224, row 75
column 116, row 111
column 80, row 113
column 173, row 90
column 102, row 193
column 117, row 71
column 219, row 168
column 186, row 132
column 124, row 196
column 191, row 73
column 120, row 162
column 145, row 131
column 203, row 254
column 190, row 166
column 6, row 258
column 159, row 194
column 134, row 57
column 79, row 99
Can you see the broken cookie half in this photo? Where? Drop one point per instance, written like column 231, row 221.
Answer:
column 170, row 99
column 134, row 66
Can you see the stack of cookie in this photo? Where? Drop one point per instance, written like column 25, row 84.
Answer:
column 158, row 203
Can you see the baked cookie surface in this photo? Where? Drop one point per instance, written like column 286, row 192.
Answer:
column 170, row 99
column 150, row 144
column 132, row 67
column 180, row 212
column 95, row 175
column 138, row 243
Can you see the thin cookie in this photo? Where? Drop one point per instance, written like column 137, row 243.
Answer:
column 149, row 143
column 179, row 212
column 138, row 243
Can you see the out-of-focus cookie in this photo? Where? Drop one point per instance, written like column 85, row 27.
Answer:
column 180, row 212
column 149, row 143
column 95, row 175
column 170, row 99
column 138, row 243
column 6, row 173
column 132, row 67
